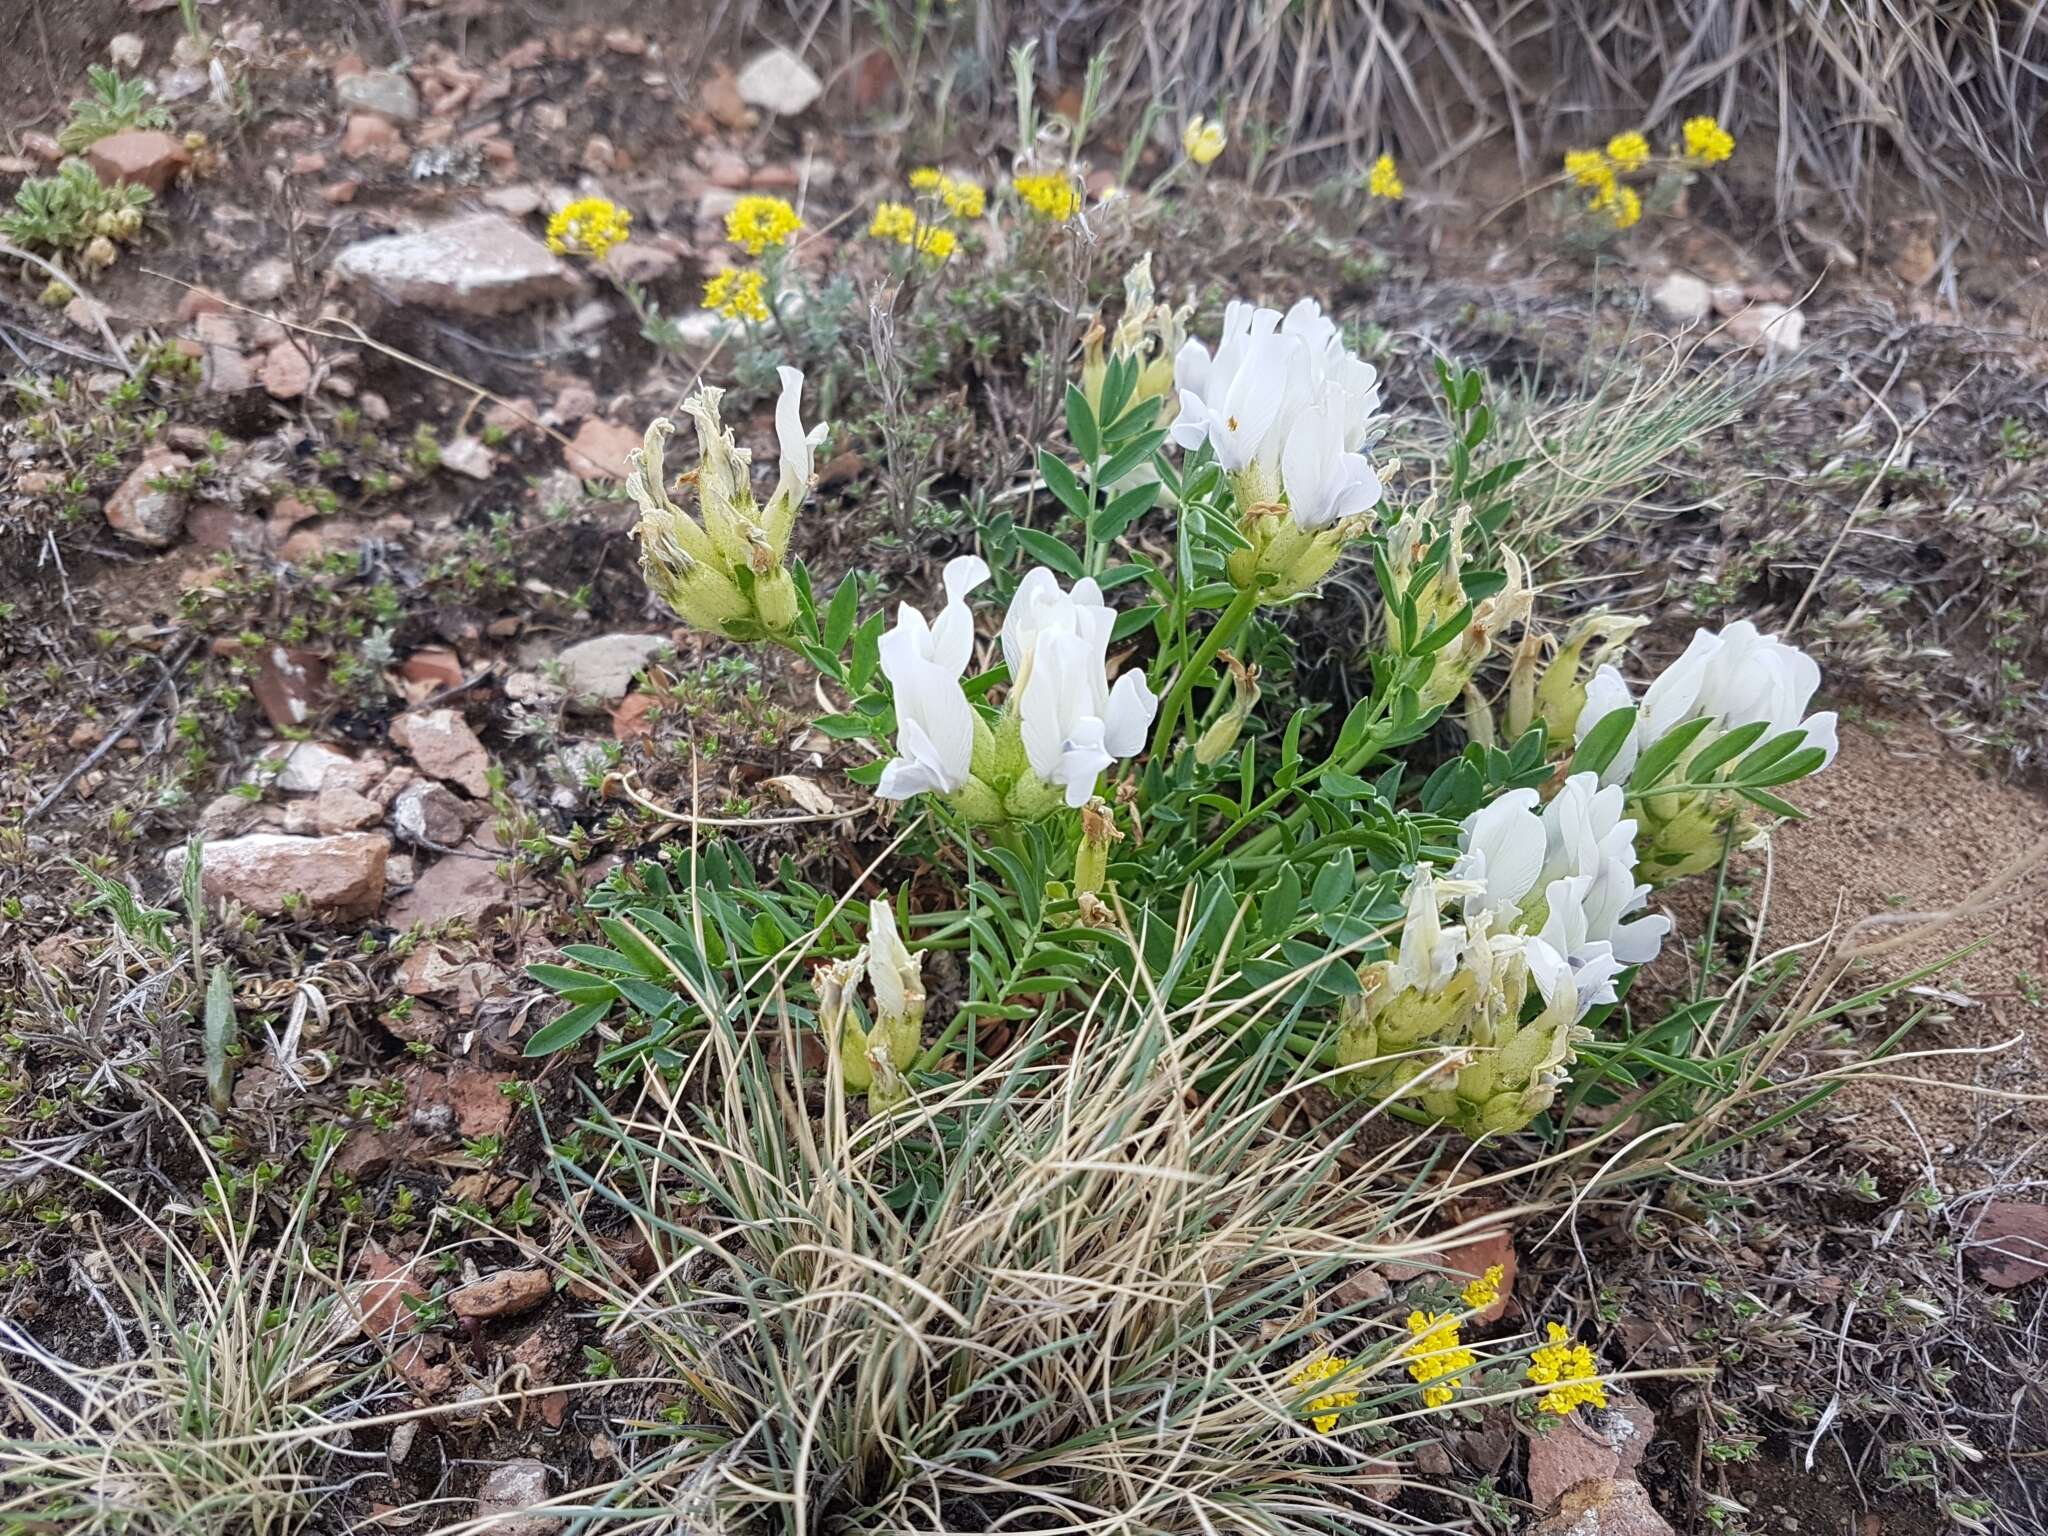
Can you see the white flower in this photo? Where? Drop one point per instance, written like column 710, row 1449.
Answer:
column 894, row 972
column 798, row 455
column 1735, row 677
column 1571, row 985
column 1431, row 951
column 1586, row 835
column 1500, row 849
column 1232, row 400
column 1073, row 724
column 924, row 664
column 1324, row 483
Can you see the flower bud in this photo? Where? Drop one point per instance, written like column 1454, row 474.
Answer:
column 1201, row 140
column 1091, row 858
column 834, row 982
column 1216, row 742
column 1560, row 697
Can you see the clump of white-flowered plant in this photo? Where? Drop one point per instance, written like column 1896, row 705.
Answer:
column 1545, row 896
column 1061, row 724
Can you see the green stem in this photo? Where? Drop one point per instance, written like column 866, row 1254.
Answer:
column 1184, row 681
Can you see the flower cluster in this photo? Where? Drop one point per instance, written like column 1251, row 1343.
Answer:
column 1061, row 725
column 1726, row 680
column 590, row 226
column 1049, row 195
column 1437, row 1358
column 1287, row 408
column 1482, row 1291
column 873, row 1058
column 1569, row 1370
column 899, row 222
column 725, row 574
column 963, row 198
column 1706, row 141
column 1601, row 171
column 1324, row 1409
column 1384, row 181
column 738, row 293
column 1549, row 904
column 1202, row 140
column 757, row 223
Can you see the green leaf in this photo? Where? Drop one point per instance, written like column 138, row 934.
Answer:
column 1047, row 550
column 1113, row 519
column 1604, row 740
column 1719, row 751
column 840, row 617
column 1661, row 756
column 1132, row 620
column 576, row 986
column 1137, row 451
column 1061, row 482
column 559, row 1034
column 1333, row 884
column 1281, row 905
column 1081, row 428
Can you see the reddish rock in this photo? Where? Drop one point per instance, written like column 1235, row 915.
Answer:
column 462, row 885
column 380, row 1297
column 195, row 302
column 512, row 417
column 479, row 264
column 43, row 147
column 287, row 372
column 143, row 514
column 217, row 526
column 1604, row 1508
column 337, row 876
column 1588, row 1446
column 1463, row 1259
column 342, row 809
column 633, row 720
column 599, row 450
column 290, row 685
column 370, row 137
column 2009, row 1244
column 339, row 192
column 308, row 162
column 434, row 665
column 463, row 1101
column 444, row 746
column 143, row 156
column 505, row 1294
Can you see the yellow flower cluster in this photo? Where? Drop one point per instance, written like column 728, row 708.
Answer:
column 1051, row 195
column 1323, row 1410
column 899, row 222
column 1484, row 1291
column 964, row 199
column 1629, row 151
column 1385, row 181
column 590, row 226
column 1437, row 1358
column 1600, row 171
column 1569, row 1370
column 1707, row 141
column 757, row 222
column 738, row 293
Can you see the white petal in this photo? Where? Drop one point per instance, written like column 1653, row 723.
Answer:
column 1606, row 692
column 1671, row 699
column 1508, row 838
column 904, row 777
column 1821, row 731
column 1132, row 707
column 794, row 446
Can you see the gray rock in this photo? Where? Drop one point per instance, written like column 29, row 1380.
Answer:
column 480, row 264
column 385, row 94
column 509, row 1490
column 1683, row 297
column 601, row 670
column 426, row 812
column 778, row 81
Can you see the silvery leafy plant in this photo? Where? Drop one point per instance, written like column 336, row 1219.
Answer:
column 1071, row 726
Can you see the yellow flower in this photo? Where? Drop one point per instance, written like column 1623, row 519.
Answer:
column 590, row 226
column 1629, row 151
column 926, row 178
column 1323, row 1410
column 1619, row 203
column 757, row 222
column 1202, row 141
column 1437, row 1359
column 1050, row 195
column 967, row 199
column 1570, row 1372
column 899, row 222
column 1589, row 168
column 1484, row 1291
column 1385, row 181
column 737, row 293
column 1707, row 141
